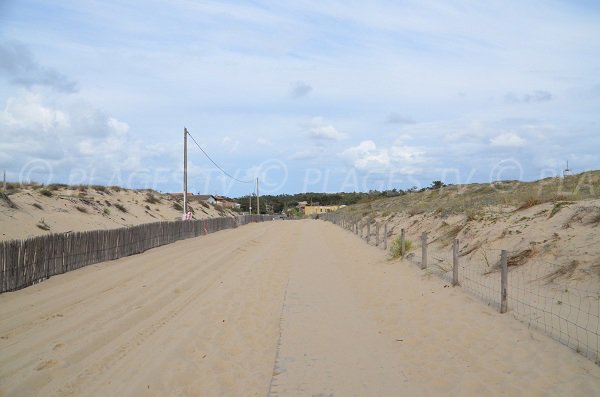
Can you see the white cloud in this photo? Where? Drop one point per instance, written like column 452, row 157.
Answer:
column 77, row 139
column 27, row 112
column 508, row 139
column 366, row 156
column 319, row 129
column 406, row 153
column 117, row 126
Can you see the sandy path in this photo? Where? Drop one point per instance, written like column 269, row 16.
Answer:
column 198, row 317
column 209, row 316
column 356, row 324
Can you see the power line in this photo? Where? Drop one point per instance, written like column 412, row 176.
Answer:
column 215, row 164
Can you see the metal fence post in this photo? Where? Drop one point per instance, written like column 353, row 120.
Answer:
column 455, row 262
column 503, row 281
column 424, row 250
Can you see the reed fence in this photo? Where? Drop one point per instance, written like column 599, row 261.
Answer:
column 27, row 262
column 565, row 312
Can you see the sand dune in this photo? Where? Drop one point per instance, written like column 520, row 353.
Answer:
column 281, row 308
column 32, row 212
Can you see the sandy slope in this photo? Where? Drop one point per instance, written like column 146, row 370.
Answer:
column 87, row 208
column 196, row 318
column 543, row 239
column 281, row 308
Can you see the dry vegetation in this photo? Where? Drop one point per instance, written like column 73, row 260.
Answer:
column 472, row 199
column 85, row 207
column 551, row 223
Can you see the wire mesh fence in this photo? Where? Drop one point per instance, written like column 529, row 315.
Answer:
column 27, row 262
column 540, row 294
column 562, row 310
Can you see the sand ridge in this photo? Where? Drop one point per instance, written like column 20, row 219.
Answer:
column 43, row 210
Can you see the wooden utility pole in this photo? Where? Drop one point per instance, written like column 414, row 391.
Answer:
column 257, row 199
column 4, row 184
column 185, row 133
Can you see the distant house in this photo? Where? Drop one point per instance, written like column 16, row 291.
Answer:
column 320, row 209
column 206, row 198
column 225, row 202
column 301, row 205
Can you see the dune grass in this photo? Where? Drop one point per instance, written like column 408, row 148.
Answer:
column 472, row 199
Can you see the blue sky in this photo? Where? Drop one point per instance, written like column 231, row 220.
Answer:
column 306, row 95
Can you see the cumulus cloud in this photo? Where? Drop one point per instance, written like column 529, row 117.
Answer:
column 366, row 156
column 27, row 112
column 321, row 130
column 68, row 138
column 300, row 89
column 395, row 118
column 531, row 97
column 17, row 63
column 508, row 139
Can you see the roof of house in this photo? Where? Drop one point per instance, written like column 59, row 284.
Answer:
column 204, row 196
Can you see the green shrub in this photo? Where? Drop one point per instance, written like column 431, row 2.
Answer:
column 121, row 207
column 177, row 206
column 38, row 206
column 82, row 209
column 106, row 211
column 396, row 247
column 46, row 192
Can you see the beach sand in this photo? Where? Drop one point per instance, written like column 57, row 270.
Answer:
column 296, row 308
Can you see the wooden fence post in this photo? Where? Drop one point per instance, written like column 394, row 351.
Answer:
column 368, row 231
column 402, row 243
column 424, row 250
column 377, row 235
column 385, row 236
column 455, row 263
column 503, row 281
